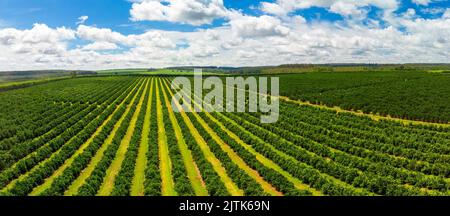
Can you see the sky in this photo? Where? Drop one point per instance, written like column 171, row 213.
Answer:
column 107, row 34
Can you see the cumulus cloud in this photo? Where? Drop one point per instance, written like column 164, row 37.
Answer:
column 40, row 33
column 272, row 38
column 263, row 26
column 151, row 39
column 100, row 46
column 194, row 12
column 99, row 34
column 346, row 9
column 342, row 7
column 105, row 35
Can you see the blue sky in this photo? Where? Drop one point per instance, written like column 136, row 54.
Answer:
column 132, row 27
column 115, row 14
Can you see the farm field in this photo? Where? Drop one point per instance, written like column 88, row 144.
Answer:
column 119, row 136
column 166, row 72
column 407, row 94
column 8, row 85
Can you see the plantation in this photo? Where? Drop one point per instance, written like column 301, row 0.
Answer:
column 406, row 94
column 119, row 136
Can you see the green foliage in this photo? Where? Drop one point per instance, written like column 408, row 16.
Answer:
column 182, row 184
column 242, row 179
column 335, row 153
column 270, row 175
column 405, row 94
column 62, row 182
column 94, row 182
column 152, row 182
column 213, row 182
column 122, row 184
column 58, row 150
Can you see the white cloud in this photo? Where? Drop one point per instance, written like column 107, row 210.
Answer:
column 446, row 15
column 343, row 7
column 202, row 51
column 194, row 12
column 40, row 33
column 100, row 34
column 243, row 40
column 97, row 46
column 247, row 54
column 263, row 26
column 147, row 39
column 151, row 39
column 422, row 2
column 82, row 20
column 276, row 9
column 9, row 36
column 432, row 11
column 410, row 13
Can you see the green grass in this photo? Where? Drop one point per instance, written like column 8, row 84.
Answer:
column 108, row 182
column 152, row 72
column 168, row 185
column 73, row 189
column 289, row 157
column 4, row 84
column 235, row 157
column 439, row 71
column 137, row 187
column 354, row 152
column 408, row 95
column 209, row 155
column 265, row 161
column 121, row 71
column 191, row 168
column 48, row 182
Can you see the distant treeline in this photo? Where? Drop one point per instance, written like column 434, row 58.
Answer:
column 10, row 80
column 44, row 72
column 300, row 68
